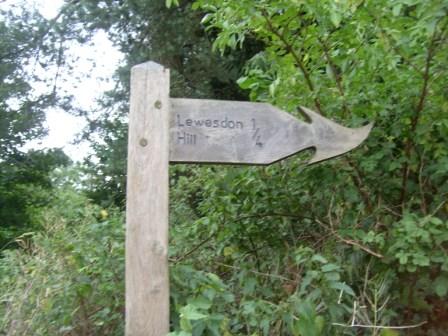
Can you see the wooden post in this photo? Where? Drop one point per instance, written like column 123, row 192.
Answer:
column 147, row 283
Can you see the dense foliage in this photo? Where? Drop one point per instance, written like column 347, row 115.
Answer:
column 67, row 279
column 28, row 45
column 356, row 245
column 378, row 217
column 25, row 188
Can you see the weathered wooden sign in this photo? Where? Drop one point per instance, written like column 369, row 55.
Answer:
column 163, row 130
column 216, row 131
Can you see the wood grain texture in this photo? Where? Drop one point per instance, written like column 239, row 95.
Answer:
column 216, row 131
column 147, row 282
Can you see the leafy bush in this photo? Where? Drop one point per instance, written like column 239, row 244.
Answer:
column 68, row 278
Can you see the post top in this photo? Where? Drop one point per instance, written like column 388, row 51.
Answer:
column 150, row 65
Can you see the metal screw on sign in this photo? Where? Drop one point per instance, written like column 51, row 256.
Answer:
column 163, row 130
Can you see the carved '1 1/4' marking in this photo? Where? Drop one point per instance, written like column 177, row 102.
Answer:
column 256, row 135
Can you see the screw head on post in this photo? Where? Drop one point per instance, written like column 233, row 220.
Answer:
column 143, row 142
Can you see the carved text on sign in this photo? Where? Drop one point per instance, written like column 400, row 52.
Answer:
column 214, row 131
column 216, row 123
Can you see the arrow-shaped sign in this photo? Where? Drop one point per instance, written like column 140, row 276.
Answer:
column 216, row 131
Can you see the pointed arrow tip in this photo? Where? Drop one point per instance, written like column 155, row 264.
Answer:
column 333, row 139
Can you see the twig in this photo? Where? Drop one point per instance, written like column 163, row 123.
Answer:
column 393, row 45
column 337, row 75
column 289, row 48
column 384, row 304
column 436, row 210
column 421, row 185
column 354, row 312
column 395, row 213
column 330, row 217
column 380, row 327
column 238, row 219
column 256, row 272
column 194, row 249
column 362, row 247
column 366, row 278
column 358, row 180
column 350, row 241
column 416, row 117
column 340, row 296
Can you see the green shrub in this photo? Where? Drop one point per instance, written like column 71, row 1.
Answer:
column 67, row 279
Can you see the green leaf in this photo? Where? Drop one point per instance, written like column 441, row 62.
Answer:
column 179, row 333
column 332, row 276
column 319, row 258
column 249, row 286
column 335, row 18
column 441, row 285
column 330, row 268
column 396, row 9
column 190, row 312
column 320, row 323
column 343, row 287
column 169, row 3
column 201, row 302
column 389, row 332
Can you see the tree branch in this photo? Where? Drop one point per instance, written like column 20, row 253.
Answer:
column 275, row 276
column 297, row 58
column 194, row 249
column 336, row 74
column 379, row 326
column 362, row 247
column 394, row 45
column 349, row 241
column 415, row 119
column 359, row 183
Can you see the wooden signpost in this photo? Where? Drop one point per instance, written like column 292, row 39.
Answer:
column 216, row 131
column 163, row 130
